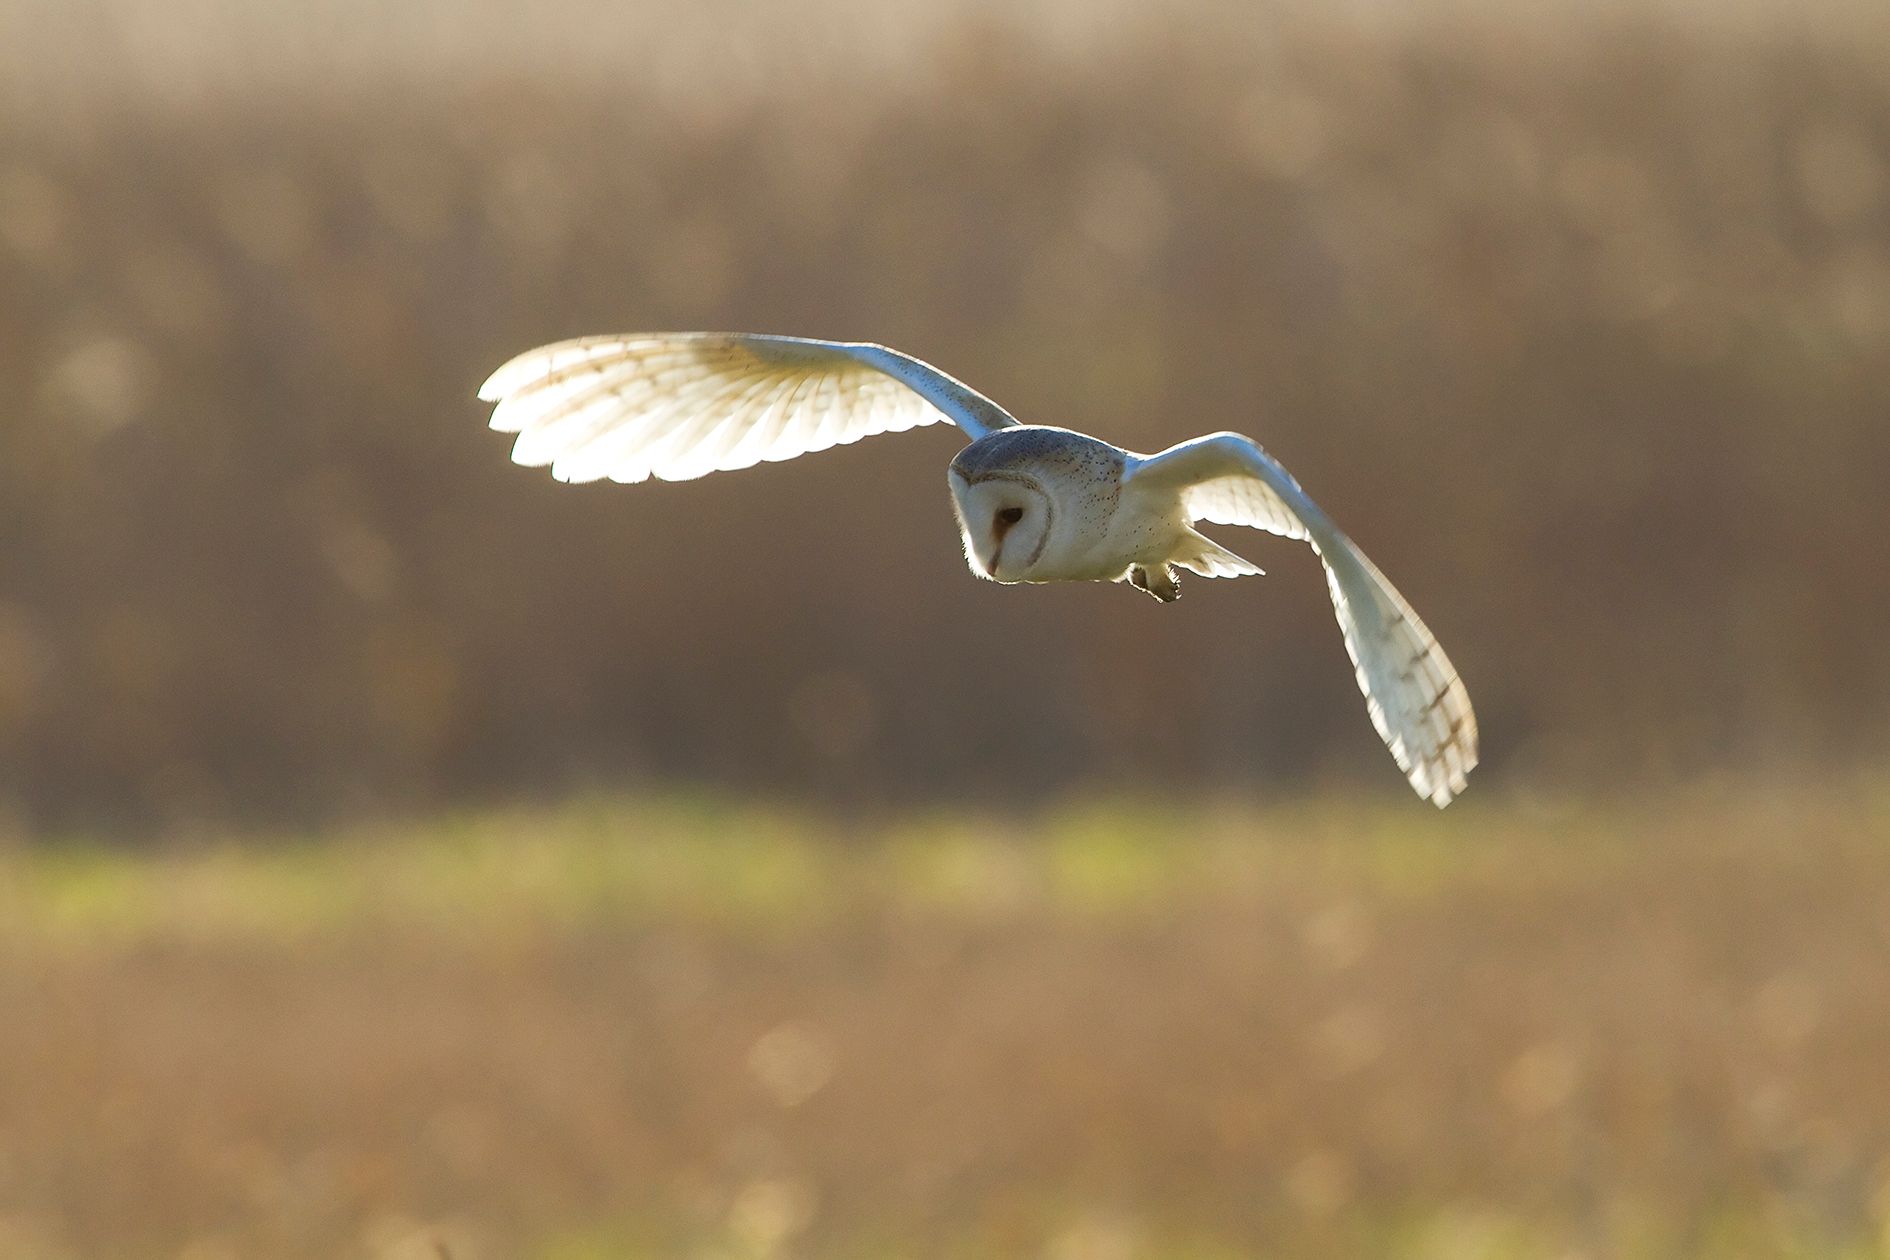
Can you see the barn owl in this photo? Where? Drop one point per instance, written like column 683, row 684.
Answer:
column 1034, row 503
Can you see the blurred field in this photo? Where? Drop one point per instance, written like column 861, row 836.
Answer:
column 1129, row 1029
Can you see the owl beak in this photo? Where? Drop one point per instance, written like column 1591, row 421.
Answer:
column 999, row 528
column 998, row 531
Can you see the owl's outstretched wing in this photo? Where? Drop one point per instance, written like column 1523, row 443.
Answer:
column 1416, row 700
column 680, row 405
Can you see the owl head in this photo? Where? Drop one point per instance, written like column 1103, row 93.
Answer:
column 1005, row 518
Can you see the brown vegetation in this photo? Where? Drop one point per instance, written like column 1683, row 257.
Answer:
column 1583, row 337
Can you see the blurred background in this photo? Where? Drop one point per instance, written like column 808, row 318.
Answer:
column 401, row 853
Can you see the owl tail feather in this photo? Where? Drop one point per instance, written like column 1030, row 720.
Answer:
column 1198, row 553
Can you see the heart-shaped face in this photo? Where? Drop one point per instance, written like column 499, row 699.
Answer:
column 1006, row 519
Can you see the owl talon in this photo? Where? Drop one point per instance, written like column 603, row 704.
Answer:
column 1163, row 585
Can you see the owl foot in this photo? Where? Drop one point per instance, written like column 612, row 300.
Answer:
column 1162, row 583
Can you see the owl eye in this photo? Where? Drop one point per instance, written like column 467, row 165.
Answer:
column 1011, row 515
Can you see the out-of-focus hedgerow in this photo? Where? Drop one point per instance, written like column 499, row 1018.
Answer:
column 1584, row 340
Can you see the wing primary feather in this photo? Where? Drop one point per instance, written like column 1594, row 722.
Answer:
column 705, row 453
column 605, row 401
column 683, row 446
column 535, row 365
column 634, row 456
column 767, row 435
column 666, row 437
column 821, row 412
column 530, row 399
column 624, row 450
column 613, row 421
column 801, row 424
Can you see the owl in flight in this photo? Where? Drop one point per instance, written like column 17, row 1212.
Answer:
column 1034, row 503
